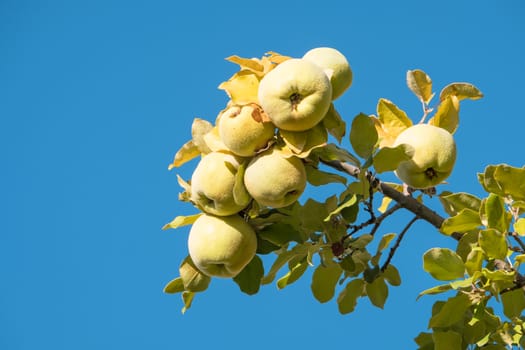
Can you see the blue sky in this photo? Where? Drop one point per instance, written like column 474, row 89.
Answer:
column 95, row 99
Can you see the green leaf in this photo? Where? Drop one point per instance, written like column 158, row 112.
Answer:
column 385, row 241
column 388, row 158
column 280, row 234
column 293, row 275
column 187, row 299
column 193, row 280
column 318, row 177
column 447, row 340
column 249, row 279
column 324, row 281
column 347, row 299
column 331, row 152
column 424, row 341
column 361, row 242
column 240, row 195
column 451, row 312
column 174, row 286
column 334, row 124
column 493, row 243
column 513, row 303
column 447, row 114
column 435, row 290
column 299, row 250
column 377, row 292
column 180, row 221
column 443, row 264
column 453, row 203
column 391, row 275
column 363, row 135
column 474, row 261
column 348, row 203
column 519, row 226
column 461, row 91
column 504, row 180
column 465, row 220
column 420, row 84
column 497, row 217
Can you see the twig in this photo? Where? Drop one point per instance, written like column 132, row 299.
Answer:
column 518, row 240
column 398, row 242
column 405, row 201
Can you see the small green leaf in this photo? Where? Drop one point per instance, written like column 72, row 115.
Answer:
column 451, row 312
column 447, row 340
column 474, row 261
column 447, row 114
column 348, row 203
column 363, row 135
column 193, row 280
column 420, row 84
column 385, row 241
column 347, row 299
column 324, row 281
column 497, row 217
column 187, row 299
column 240, row 195
column 299, row 250
column 465, row 220
column 180, row 221
column 392, row 276
column 318, row 177
column 388, row 158
column 334, row 124
column 331, row 152
column 280, row 234
column 493, row 243
column 249, row 279
column 453, row 203
column 377, row 292
column 504, row 180
column 174, row 286
column 293, row 275
column 424, row 341
column 435, row 290
column 513, row 303
column 461, row 91
column 443, row 264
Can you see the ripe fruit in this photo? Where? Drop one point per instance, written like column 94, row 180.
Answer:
column 241, row 132
column 434, row 155
column 296, row 94
column 221, row 246
column 212, row 185
column 335, row 64
column 273, row 180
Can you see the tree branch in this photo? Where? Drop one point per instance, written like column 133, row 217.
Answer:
column 407, row 202
column 398, row 242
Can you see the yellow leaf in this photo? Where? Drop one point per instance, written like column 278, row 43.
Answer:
column 447, row 114
column 301, row 143
column 420, row 84
column 180, row 221
column 214, row 142
column 252, row 64
column 391, row 122
column 187, row 152
column 199, row 128
column 242, row 87
column 461, row 91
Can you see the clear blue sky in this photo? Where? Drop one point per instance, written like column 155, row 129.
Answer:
column 96, row 97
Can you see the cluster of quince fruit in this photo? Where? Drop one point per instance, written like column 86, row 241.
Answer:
column 244, row 161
